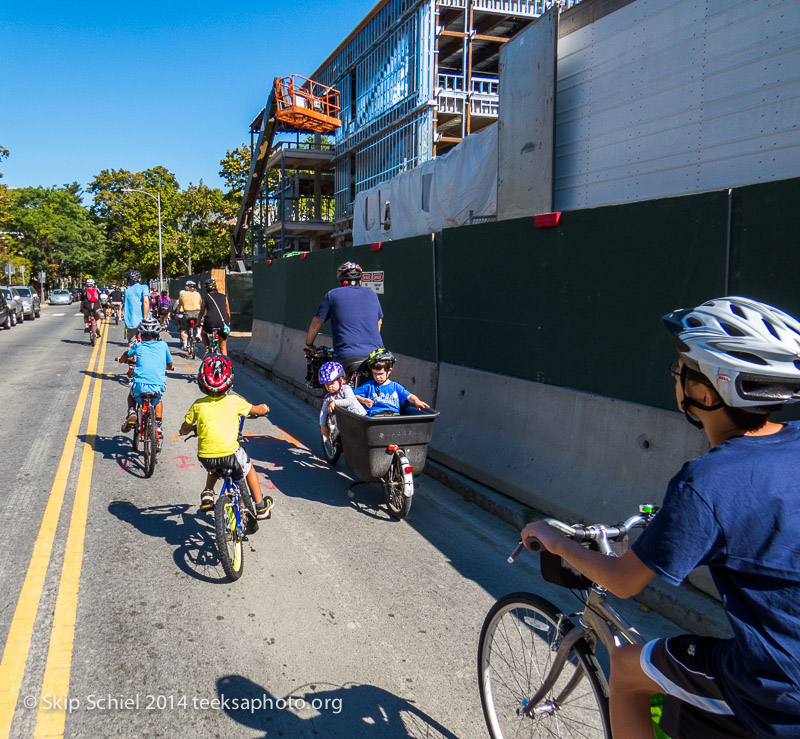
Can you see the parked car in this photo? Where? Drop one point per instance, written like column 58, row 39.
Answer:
column 76, row 294
column 31, row 304
column 6, row 313
column 15, row 304
column 60, row 297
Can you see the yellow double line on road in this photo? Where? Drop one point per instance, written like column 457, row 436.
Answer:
column 59, row 657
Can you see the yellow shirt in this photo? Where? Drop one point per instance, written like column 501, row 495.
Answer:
column 217, row 422
column 190, row 300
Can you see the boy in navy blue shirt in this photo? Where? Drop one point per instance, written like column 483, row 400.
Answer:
column 735, row 509
column 153, row 359
column 380, row 395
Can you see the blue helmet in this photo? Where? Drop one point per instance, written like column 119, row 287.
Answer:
column 330, row 371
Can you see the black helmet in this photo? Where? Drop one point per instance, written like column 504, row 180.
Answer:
column 380, row 356
column 210, row 284
column 349, row 272
column 134, row 276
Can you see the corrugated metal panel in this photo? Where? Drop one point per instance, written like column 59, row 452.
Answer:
column 656, row 100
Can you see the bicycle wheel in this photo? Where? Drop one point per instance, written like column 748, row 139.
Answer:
column 249, row 506
column 229, row 543
column 92, row 337
column 519, row 640
column 398, row 504
column 150, row 443
column 332, row 448
column 192, row 350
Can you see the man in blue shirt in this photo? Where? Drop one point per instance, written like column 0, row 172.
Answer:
column 735, row 509
column 136, row 307
column 356, row 319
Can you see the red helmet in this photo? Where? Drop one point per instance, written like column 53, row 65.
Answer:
column 215, row 376
column 349, row 272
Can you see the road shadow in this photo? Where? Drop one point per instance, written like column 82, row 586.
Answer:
column 119, row 448
column 297, row 472
column 323, row 709
column 182, row 526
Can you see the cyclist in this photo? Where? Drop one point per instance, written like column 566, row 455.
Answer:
column 164, row 305
column 136, row 307
column 189, row 302
column 90, row 305
column 735, row 509
column 154, row 297
column 215, row 313
column 153, row 359
column 216, row 419
column 356, row 319
column 115, row 296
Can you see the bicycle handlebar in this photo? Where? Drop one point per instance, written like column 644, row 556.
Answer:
column 601, row 533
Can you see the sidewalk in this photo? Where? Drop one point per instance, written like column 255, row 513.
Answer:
column 685, row 606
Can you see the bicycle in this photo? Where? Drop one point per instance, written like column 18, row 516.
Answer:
column 234, row 518
column 537, row 670
column 214, row 341
column 145, row 432
column 332, row 443
column 191, row 341
column 94, row 331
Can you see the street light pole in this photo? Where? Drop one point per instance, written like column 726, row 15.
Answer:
column 157, row 198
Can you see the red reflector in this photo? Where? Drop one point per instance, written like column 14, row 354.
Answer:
column 269, row 261
column 392, row 448
column 375, row 246
column 304, row 255
column 546, row 219
column 408, row 469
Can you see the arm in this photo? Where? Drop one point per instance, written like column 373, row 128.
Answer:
column 416, row 402
column 259, row 410
column 146, row 306
column 380, row 324
column 186, row 428
column 624, row 576
column 312, row 332
column 123, row 357
column 228, row 308
column 170, row 366
column 201, row 313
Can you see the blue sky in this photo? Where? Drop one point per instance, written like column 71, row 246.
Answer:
column 87, row 86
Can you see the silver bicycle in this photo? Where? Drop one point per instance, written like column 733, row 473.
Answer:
column 537, row 669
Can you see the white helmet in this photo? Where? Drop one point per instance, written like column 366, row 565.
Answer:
column 749, row 351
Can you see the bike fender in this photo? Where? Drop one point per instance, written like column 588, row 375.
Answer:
column 408, row 479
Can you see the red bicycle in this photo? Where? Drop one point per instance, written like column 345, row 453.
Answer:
column 94, row 331
column 146, row 434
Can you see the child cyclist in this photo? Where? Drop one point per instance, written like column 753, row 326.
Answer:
column 339, row 395
column 381, row 395
column 150, row 372
column 216, row 419
column 735, row 509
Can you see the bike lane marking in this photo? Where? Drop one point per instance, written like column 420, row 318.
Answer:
column 18, row 641
column 50, row 721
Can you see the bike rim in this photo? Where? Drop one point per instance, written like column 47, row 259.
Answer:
column 521, row 644
column 233, row 542
column 394, row 492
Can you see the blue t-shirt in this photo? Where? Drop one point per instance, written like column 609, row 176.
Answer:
column 737, row 510
column 354, row 312
column 152, row 358
column 133, row 313
column 388, row 397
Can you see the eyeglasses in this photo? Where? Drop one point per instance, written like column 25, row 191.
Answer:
column 675, row 369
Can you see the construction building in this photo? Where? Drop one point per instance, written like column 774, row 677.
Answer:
column 414, row 78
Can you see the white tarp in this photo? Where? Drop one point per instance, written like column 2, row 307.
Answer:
column 438, row 194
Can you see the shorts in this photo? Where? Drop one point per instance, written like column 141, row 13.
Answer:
column 92, row 311
column 683, row 666
column 114, row 304
column 238, row 462
column 144, row 388
column 184, row 319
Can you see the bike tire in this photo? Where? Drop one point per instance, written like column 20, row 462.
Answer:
column 229, row 543
column 192, row 349
column 398, row 504
column 92, row 337
column 150, row 443
column 332, row 448
column 249, row 505
column 518, row 642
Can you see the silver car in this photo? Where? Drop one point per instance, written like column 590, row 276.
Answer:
column 31, row 304
column 15, row 304
column 60, row 297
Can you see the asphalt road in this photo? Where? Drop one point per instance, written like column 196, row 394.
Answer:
column 117, row 619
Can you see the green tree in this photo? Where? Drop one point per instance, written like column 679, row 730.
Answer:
column 52, row 231
column 203, row 226
column 5, row 200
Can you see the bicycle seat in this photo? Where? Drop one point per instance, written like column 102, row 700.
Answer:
column 149, row 396
column 222, row 471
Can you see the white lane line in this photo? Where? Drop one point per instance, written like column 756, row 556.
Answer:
column 59, row 314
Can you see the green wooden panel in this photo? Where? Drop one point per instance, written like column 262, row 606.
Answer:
column 579, row 305
column 269, row 291
column 239, row 289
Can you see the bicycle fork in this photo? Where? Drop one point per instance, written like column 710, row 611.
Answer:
column 532, row 707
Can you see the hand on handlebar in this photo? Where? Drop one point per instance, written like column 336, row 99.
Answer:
column 540, row 535
column 309, row 350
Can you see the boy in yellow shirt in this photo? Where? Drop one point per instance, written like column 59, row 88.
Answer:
column 216, row 418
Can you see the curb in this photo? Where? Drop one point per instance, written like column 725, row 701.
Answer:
column 686, row 606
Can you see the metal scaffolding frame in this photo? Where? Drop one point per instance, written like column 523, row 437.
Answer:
column 415, row 77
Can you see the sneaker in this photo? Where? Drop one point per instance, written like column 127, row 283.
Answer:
column 264, row 508
column 130, row 421
column 207, row 500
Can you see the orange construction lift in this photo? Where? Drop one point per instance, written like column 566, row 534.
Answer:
column 294, row 104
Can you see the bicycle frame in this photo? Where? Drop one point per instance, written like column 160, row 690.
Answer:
column 231, row 488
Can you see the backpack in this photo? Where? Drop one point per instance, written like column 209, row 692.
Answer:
column 91, row 295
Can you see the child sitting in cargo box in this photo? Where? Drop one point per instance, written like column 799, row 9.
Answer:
column 380, row 395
